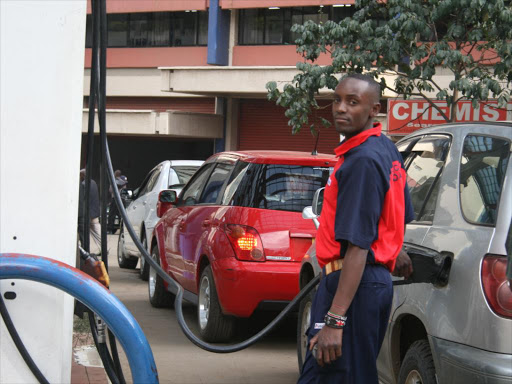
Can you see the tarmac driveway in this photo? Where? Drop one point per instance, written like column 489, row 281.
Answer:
column 271, row 361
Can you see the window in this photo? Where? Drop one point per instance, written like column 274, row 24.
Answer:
column 234, row 181
column 339, row 13
column 117, row 30
column 190, row 194
column 215, row 183
column 424, row 168
column 202, row 30
column 482, row 171
column 280, row 187
column 180, row 175
column 272, row 26
column 139, row 28
column 153, row 179
column 148, row 182
column 154, row 29
column 159, row 33
column 314, row 14
column 252, row 22
column 183, row 29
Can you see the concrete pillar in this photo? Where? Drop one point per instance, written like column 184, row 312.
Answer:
column 233, row 106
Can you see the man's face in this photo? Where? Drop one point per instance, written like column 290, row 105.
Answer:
column 354, row 107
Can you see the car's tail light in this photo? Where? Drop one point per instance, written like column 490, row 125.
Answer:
column 246, row 242
column 497, row 289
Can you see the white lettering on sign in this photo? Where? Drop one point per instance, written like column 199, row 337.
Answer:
column 493, row 114
column 417, row 111
column 464, row 112
column 397, row 113
column 436, row 115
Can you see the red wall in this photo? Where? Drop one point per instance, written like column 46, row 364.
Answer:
column 232, row 4
column 127, row 6
column 282, row 55
column 152, row 57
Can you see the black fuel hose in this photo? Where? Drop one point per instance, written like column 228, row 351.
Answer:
column 104, row 180
column 97, row 94
column 19, row 344
column 106, row 359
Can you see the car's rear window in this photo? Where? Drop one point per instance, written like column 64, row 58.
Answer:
column 184, row 173
column 482, row 171
column 280, row 187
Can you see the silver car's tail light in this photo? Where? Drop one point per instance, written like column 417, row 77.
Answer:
column 497, row 289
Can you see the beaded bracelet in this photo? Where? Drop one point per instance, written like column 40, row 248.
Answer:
column 335, row 321
column 344, row 318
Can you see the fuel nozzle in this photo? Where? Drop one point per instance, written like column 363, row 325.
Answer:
column 94, row 267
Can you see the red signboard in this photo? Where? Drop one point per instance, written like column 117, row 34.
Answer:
column 406, row 116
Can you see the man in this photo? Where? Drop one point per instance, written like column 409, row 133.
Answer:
column 94, row 210
column 366, row 205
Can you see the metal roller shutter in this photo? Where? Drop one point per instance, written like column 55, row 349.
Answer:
column 263, row 125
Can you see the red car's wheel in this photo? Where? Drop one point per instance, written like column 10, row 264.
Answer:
column 213, row 324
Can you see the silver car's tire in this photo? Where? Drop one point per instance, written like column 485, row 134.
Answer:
column 214, row 326
column 128, row 262
column 302, row 326
column 144, row 267
column 418, row 365
column 158, row 295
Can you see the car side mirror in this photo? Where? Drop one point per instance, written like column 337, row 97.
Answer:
column 307, row 213
column 318, row 200
column 166, row 200
column 126, row 194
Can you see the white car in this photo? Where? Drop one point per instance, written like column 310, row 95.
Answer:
column 169, row 174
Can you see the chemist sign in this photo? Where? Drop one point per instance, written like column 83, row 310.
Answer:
column 406, row 116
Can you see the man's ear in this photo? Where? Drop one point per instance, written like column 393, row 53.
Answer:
column 375, row 110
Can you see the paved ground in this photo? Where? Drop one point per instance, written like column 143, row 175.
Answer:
column 271, row 361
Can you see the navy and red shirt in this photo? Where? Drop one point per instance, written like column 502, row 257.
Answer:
column 366, row 201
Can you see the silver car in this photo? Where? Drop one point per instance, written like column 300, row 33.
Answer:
column 169, row 174
column 458, row 327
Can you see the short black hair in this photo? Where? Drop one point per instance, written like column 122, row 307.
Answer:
column 375, row 87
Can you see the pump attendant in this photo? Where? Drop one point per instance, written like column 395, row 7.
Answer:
column 365, row 209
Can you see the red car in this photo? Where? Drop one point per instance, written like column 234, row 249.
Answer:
column 235, row 236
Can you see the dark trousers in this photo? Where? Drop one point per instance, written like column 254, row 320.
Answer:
column 367, row 320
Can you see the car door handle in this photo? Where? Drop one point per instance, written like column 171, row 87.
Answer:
column 143, row 203
column 206, row 223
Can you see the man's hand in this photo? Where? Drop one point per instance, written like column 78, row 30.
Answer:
column 328, row 343
column 403, row 266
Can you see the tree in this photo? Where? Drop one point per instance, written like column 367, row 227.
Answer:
column 412, row 40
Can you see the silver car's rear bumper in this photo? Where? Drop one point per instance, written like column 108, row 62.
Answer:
column 458, row 363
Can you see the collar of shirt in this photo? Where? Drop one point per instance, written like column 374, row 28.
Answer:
column 347, row 145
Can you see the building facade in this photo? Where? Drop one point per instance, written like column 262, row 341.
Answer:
column 186, row 79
